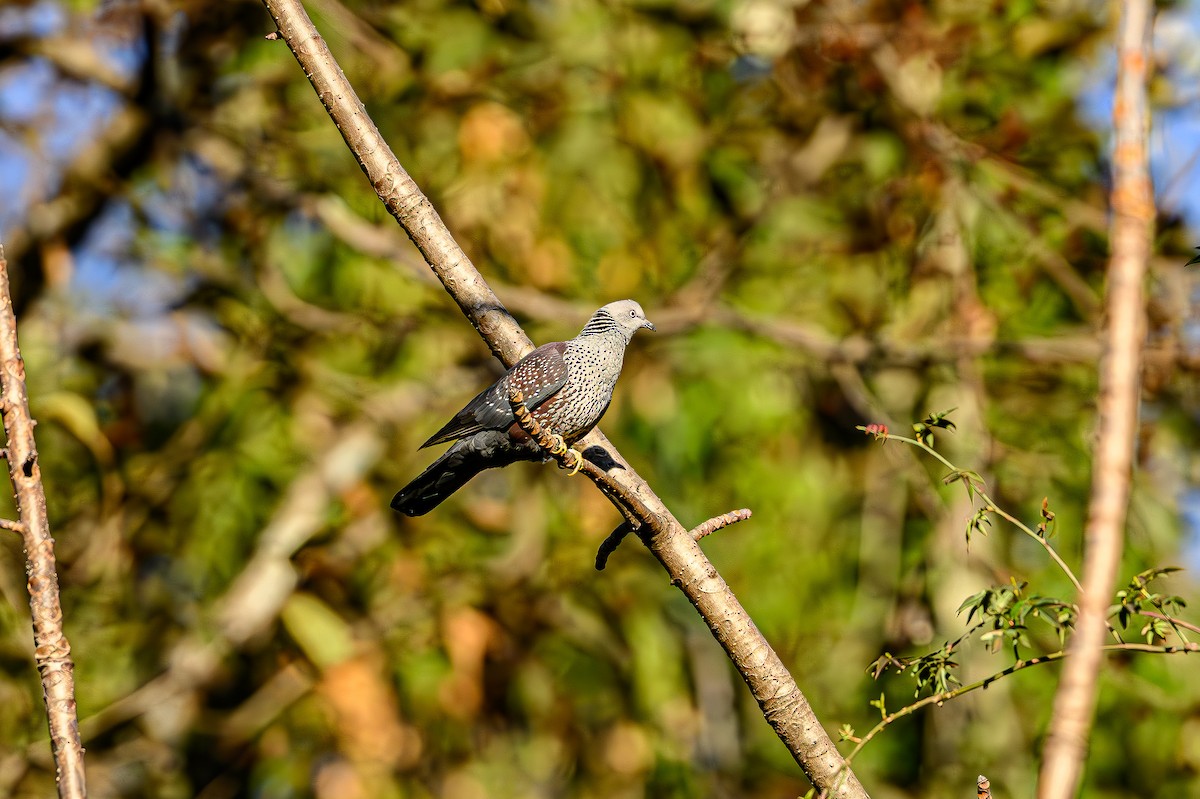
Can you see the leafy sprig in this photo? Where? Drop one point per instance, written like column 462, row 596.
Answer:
column 1136, row 598
column 1001, row 614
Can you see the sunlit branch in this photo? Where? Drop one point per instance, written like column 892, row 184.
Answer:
column 52, row 650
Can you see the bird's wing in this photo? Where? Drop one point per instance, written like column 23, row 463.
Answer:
column 539, row 374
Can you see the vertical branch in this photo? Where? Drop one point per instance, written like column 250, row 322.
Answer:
column 1131, row 226
column 52, row 651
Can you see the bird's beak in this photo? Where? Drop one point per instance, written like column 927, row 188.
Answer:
column 649, row 325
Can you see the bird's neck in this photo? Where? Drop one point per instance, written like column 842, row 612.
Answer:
column 600, row 324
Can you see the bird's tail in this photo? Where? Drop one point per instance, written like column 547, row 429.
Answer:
column 464, row 460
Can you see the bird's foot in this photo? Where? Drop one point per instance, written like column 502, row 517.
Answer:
column 560, row 446
column 578, row 462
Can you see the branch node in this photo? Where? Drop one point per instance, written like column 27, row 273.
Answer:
column 717, row 522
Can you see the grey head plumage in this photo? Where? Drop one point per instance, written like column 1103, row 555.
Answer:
column 624, row 316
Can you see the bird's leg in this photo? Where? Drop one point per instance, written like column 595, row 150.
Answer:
column 574, row 470
column 561, row 449
column 553, row 443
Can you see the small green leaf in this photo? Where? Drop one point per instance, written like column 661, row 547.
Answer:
column 978, row 523
column 924, row 430
column 973, row 603
column 1157, row 628
column 887, row 661
column 1195, row 260
column 940, row 419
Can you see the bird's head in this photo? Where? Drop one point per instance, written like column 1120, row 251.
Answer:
column 627, row 315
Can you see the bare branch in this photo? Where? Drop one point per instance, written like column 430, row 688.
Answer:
column 717, row 522
column 1120, row 383
column 52, row 651
column 9, row 524
column 782, row 703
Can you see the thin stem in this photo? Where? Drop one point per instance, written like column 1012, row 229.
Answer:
column 921, row 445
column 1051, row 551
column 992, row 507
column 944, row 696
column 1187, row 625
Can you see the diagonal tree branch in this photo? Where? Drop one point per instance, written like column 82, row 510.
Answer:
column 1120, row 384
column 52, row 651
column 782, row 703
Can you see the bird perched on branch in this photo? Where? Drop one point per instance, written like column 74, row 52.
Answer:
column 567, row 386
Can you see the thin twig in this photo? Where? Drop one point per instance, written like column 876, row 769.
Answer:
column 717, row 522
column 1187, row 625
column 52, row 650
column 945, row 696
column 784, row 706
column 1020, row 665
column 1120, row 384
column 991, row 506
column 9, row 524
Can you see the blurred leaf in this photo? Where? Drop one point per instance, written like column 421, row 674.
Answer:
column 323, row 636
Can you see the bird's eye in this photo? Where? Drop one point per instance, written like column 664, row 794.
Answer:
column 633, row 314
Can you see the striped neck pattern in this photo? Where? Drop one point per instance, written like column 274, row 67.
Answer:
column 602, row 322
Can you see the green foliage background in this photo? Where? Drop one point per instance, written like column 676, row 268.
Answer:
column 838, row 213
